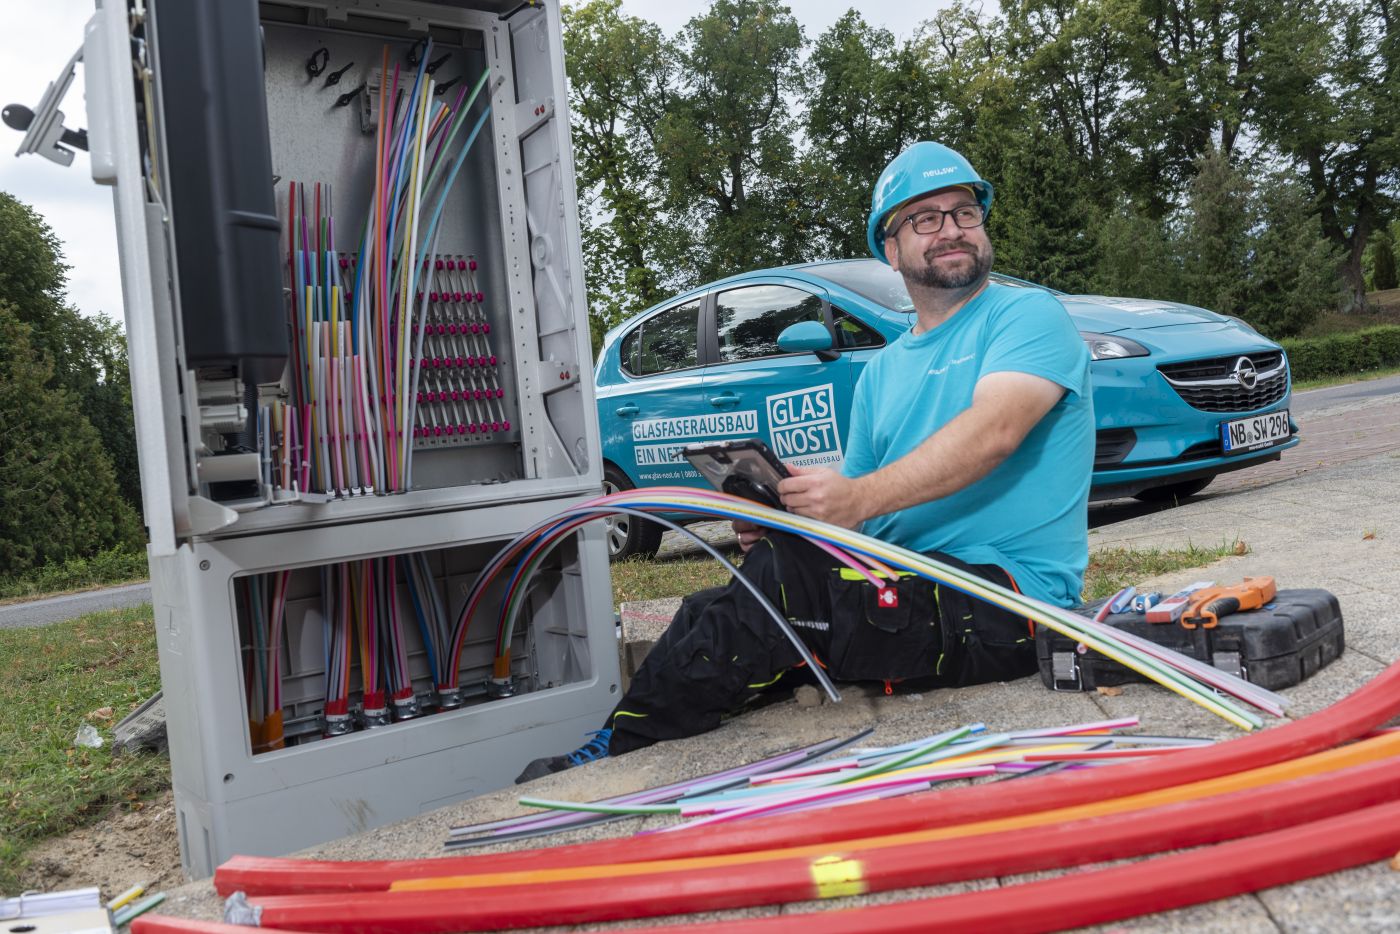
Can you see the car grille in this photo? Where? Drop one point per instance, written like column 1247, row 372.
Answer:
column 1212, row 385
column 1112, row 445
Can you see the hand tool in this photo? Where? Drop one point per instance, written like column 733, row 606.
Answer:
column 1207, row 606
column 1170, row 609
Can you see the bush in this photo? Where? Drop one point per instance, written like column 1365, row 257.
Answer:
column 112, row 566
column 1343, row 354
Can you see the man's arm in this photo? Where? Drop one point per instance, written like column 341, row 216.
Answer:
column 1005, row 407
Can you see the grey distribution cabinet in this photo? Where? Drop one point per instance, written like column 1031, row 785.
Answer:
column 359, row 353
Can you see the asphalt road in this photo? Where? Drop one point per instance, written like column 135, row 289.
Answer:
column 55, row 609
column 1315, row 399
column 1325, row 439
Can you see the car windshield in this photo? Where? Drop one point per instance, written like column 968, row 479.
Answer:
column 874, row 280
column 870, row 279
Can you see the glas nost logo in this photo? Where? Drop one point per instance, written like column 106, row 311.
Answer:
column 802, row 424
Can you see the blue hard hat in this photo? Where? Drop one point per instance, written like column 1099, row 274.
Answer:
column 922, row 168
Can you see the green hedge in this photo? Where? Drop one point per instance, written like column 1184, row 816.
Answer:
column 114, row 566
column 1343, row 354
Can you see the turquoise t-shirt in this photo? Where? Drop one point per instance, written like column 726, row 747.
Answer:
column 1030, row 514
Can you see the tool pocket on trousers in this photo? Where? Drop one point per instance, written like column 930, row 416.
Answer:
column 992, row 644
column 886, row 633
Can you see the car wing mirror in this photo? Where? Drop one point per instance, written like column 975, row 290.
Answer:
column 807, row 337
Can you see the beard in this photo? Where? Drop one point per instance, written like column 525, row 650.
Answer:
column 932, row 276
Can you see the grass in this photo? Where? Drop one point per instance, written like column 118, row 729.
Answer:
column 105, row 569
column 63, row 676
column 1112, row 569
column 638, row 579
column 56, row 679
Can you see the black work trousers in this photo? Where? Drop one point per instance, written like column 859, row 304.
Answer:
column 722, row 647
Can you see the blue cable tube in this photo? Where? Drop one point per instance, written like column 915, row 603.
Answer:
column 418, row 611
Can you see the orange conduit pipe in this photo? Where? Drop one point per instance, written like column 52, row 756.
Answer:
column 1100, row 896
column 1369, row 707
column 840, row 872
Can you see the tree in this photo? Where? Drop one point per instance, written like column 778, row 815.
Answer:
column 726, row 145
column 1215, row 236
column 1042, row 222
column 1293, row 269
column 1383, row 274
column 870, row 98
column 86, row 355
column 619, row 71
column 1330, row 103
column 1192, row 69
column 1136, row 254
column 1071, row 74
column 58, row 493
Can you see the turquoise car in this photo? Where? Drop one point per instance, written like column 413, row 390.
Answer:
column 1181, row 394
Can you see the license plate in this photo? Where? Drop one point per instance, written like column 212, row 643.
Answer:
column 1250, row 434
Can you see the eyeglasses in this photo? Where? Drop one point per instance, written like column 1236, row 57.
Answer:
column 926, row 222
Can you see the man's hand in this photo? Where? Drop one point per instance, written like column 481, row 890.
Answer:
column 748, row 533
column 822, row 493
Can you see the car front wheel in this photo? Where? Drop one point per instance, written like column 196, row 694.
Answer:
column 628, row 535
column 1173, row 492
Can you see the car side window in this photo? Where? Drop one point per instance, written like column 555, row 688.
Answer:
column 668, row 340
column 750, row 319
column 851, row 334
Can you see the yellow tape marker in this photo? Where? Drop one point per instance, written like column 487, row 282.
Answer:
column 835, row 876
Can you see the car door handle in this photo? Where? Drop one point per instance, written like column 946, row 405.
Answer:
column 725, row 400
column 628, row 411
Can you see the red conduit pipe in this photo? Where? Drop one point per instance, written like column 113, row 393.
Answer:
column 1104, row 895
column 164, row 924
column 1369, row 707
column 1070, row 843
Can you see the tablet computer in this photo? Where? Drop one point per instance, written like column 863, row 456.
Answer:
column 744, row 467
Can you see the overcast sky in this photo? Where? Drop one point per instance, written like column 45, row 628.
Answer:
column 38, row 38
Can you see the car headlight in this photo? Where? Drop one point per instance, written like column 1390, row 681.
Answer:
column 1110, row 347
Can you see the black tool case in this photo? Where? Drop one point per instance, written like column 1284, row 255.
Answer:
column 1275, row 646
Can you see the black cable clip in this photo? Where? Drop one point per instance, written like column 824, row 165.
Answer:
column 435, row 65
column 441, row 89
column 349, row 96
column 415, row 51
column 333, row 78
column 318, row 61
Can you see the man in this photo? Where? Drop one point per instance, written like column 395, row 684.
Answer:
column 972, row 440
